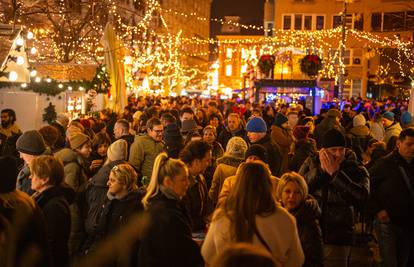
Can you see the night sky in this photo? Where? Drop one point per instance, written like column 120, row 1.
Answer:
column 250, row 11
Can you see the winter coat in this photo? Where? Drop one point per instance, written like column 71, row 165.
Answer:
column 231, row 180
column 75, row 176
column 389, row 190
column 357, row 139
column 61, row 140
column 168, row 241
column 337, row 195
column 173, row 139
column 226, row 135
column 74, row 166
column 277, row 229
column 307, row 219
column 393, row 130
column 197, row 202
column 283, row 137
column 273, row 153
column 54, row 203
column 23, row 180
column 226, row 166
column 22, row 228
column 94, row 197
column 217, row 152
column 302, row 149
column 142, row 154
column 115, row 215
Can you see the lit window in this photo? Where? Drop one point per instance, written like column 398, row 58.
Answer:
column 229, row 52
column 229, row 69
column 243, row 69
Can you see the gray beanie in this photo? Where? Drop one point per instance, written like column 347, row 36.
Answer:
column 118, row 150
column 236, row 147
column 31, row 142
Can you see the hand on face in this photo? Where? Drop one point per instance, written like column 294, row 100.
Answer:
column 329, row 163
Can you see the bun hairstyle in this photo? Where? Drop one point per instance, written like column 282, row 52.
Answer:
column 163, row 167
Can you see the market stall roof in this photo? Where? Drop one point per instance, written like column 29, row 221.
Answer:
column 66, row 72
column 7, row 36
column 285, row 83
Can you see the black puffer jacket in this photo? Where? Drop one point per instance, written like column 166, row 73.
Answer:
column 94, row 197
column 307, row 219
column 168, row 241
column 54, row 202
column 337, row 195
column 173, row 139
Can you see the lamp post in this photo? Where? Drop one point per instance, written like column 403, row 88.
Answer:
column 342, row 51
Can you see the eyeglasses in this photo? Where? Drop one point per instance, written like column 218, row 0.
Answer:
column 158, row 131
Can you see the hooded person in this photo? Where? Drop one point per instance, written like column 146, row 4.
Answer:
column 302, row 148
column 282, row 135
column 22, row 225
column 29, row 145
column 227, row 165
column 359, row 136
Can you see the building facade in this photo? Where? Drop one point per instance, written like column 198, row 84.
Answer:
column 385, row 18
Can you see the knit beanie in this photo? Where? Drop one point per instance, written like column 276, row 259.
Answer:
column 236, row 147
column 258, row 151
column 31, row 142
column 118, row 150
column 9, row 172
column 333, row 138
column 359, row 120
column 72, row 130
column 280, row 119
column 388, row 115
column 256, row 125
column 406, row 118
column 77, row 140
column 301, row 132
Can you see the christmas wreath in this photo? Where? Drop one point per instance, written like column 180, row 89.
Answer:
column 266, row 63
column 311, row 65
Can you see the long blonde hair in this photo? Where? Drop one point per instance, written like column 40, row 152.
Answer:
column 163, row 167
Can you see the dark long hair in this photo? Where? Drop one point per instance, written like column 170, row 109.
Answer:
column 251, row 196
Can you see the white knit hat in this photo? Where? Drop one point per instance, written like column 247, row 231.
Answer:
column 118, row 150
column 359, row 120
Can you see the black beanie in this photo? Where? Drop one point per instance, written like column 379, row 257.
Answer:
column 31, row 142
column 9, row 172
column 258, row 151
column 280, row 119
column 333, row 138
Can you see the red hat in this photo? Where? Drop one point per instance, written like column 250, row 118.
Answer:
column 301, row 132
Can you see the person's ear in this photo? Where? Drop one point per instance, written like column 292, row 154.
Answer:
column 167, row 182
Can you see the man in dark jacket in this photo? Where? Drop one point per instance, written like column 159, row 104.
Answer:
column 257, row 133
column 339, row 183
column 233, row 128
column 392, row 202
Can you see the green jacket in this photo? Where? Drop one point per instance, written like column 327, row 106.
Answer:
column 75, row 175
column 142, row 154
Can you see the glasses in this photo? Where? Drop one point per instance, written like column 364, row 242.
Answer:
column 158, row 131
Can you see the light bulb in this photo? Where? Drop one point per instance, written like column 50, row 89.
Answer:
column 60, row 85
column 33, row 50
column 48, row 80
column 30, row 35
column 33, row 73
column 24, row 85
column 38, row 79
column 20, row 60
column 70, row 88
column 19, row 41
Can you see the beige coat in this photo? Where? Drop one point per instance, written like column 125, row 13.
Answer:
column 284, row 139
column 278, row 231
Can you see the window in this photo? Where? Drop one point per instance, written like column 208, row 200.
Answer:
column 352, row 21
column 229, row 53
column 269, row 31
column 393, row 21
column 307, row 23
column 336, row 21
column 298, row 22
column 320, row 22
column 303, row 22
column 347, row 57
column 229, row 70
column 287, row 21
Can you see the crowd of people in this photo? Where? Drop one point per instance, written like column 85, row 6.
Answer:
column 205, row 182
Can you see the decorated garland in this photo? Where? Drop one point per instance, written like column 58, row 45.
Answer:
column 311, row 65
column 266, row 64
column 100, row 83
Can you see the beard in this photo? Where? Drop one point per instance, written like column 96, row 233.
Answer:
column 5, row 124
